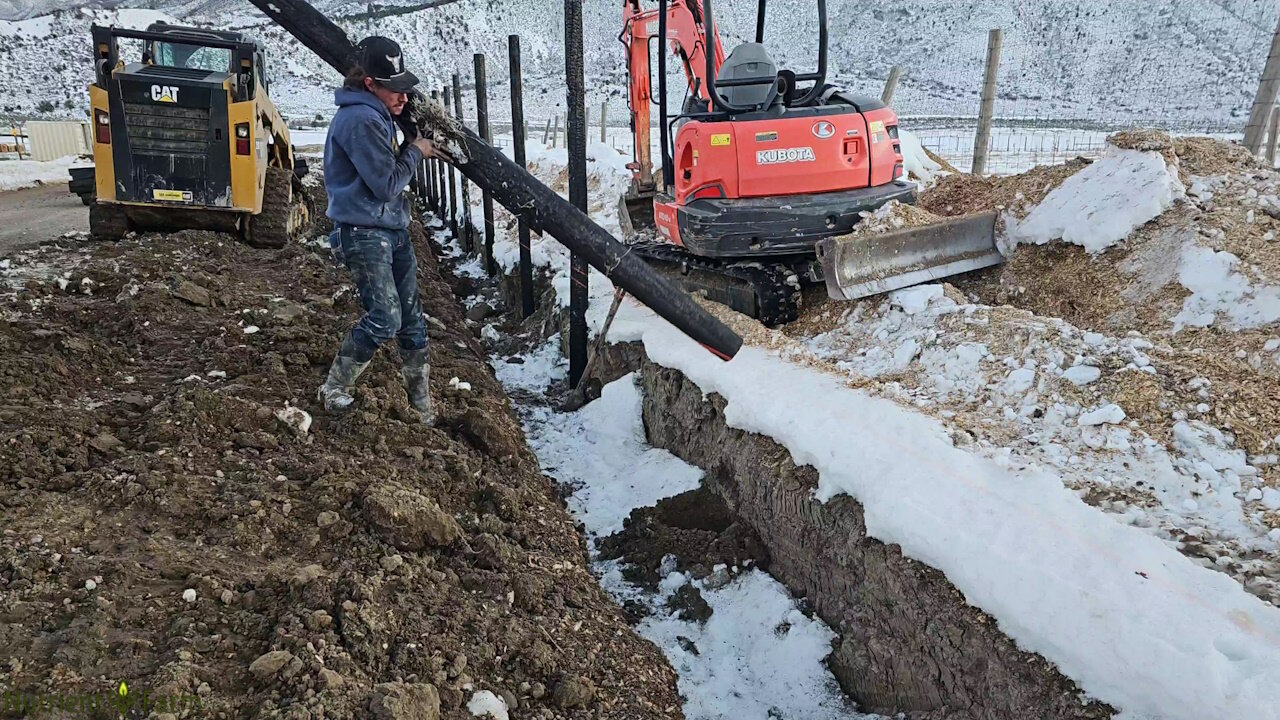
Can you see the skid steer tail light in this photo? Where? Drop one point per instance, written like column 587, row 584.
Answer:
column 242, row 139
column 102, row 127
column 897, row 170
column 709, row 191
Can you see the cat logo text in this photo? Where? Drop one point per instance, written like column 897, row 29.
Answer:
column 164, row 93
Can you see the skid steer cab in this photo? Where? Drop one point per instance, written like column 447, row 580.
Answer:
column 186, row 137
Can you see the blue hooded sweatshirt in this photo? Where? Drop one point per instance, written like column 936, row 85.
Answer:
column 363, row 174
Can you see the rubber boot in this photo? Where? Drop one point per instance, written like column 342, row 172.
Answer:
column 335, row 393
column 416, row 370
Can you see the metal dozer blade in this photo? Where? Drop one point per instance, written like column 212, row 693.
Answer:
column 857, row 266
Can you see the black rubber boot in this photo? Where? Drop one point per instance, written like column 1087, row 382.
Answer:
column 335, row 393
column 416, row 371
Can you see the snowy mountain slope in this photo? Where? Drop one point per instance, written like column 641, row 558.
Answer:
column 1189, row 64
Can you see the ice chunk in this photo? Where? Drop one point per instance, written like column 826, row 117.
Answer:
column 484, row 704
column 1110, row 414
column 915, row 299
column 1082, row 374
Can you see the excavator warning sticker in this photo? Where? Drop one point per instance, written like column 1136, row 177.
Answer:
column 785, row 155
column 766, row 136
column 720, row 139
column 172, row 195
column 876, row 131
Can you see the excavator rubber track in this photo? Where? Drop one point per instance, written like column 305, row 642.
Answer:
column 769, row 293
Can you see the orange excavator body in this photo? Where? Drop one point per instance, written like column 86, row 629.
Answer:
column 739, row 174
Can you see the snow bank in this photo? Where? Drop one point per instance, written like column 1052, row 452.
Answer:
column 1133, row 621
column 1100, row 205
column 18, row 174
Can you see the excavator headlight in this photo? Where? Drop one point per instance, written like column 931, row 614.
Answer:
column 242, row 139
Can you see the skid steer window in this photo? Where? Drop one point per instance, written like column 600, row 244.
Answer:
column 193, row 56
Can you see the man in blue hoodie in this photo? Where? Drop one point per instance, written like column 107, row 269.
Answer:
column 366, row 178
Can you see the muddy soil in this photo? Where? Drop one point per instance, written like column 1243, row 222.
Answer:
column 171, row 520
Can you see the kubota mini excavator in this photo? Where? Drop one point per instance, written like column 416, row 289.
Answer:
column 766, row 163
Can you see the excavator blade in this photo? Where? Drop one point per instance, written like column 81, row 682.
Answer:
column 858, row 266
column 635, row 212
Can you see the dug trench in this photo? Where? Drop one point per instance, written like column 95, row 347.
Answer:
column 180, row 516
column 907, row 642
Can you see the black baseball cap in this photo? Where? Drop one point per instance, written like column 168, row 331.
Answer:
column 382, row 59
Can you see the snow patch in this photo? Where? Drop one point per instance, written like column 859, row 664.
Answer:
column 1218, row 288
column 1100, row 205
column 18, row 174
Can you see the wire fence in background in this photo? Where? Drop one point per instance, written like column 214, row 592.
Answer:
column 1066, row 82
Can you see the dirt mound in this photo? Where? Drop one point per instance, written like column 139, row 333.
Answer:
column 964, row 194
column 179, row 514
column 691, row 532
column 1209, row 156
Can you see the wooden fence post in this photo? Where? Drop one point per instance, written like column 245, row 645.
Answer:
column 576, row 144
column 986, row 113
column 518, row 155
column 1265, row 99
column 486, row 134
column 890, row 84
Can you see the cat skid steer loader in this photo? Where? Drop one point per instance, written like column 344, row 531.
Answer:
column 187, row 137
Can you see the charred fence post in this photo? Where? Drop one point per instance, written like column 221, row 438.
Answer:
column 576, row 144
column 486, row 134
column 466, row 186
column 516, row 189
column 519, row 133
column 453, row 189
column 438, row 195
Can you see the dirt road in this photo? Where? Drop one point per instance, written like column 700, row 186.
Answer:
column 39, row 213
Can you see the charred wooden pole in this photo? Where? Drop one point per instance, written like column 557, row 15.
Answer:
column 482, row 125
column 442, row 187
column 433, row 168
column 576, row 144
column 453, row 190
column 515, row 188
column 466, row 186
column 519, row 134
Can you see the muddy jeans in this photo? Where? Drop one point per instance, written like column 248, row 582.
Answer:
column 385, row 269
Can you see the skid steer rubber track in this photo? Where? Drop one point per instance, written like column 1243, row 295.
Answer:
column 107, row 221
column 283, row 216
column 769, row 293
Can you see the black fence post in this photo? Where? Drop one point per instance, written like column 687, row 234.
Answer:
column 576, row 144
column 466, row 186
column 482, row 127
column 518, row 136
column 435, row 187
column 453, row 189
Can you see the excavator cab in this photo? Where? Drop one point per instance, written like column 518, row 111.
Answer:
column 762, row 164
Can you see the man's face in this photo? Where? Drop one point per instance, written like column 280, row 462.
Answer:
column 393, row 100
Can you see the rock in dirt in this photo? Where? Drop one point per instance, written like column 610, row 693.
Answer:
column 184, row 289
column 480, row 312
column 408, row 519
column 305, row 576
column 689, row 604
column 573, row 691
column 277, row 662
column 329, row 679
column 405, row 701
column 105, row 442
column 490, row 433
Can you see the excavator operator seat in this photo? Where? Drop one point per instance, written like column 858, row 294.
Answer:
column 750, row 61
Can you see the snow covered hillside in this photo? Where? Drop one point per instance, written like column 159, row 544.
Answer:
column 1119, row 62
